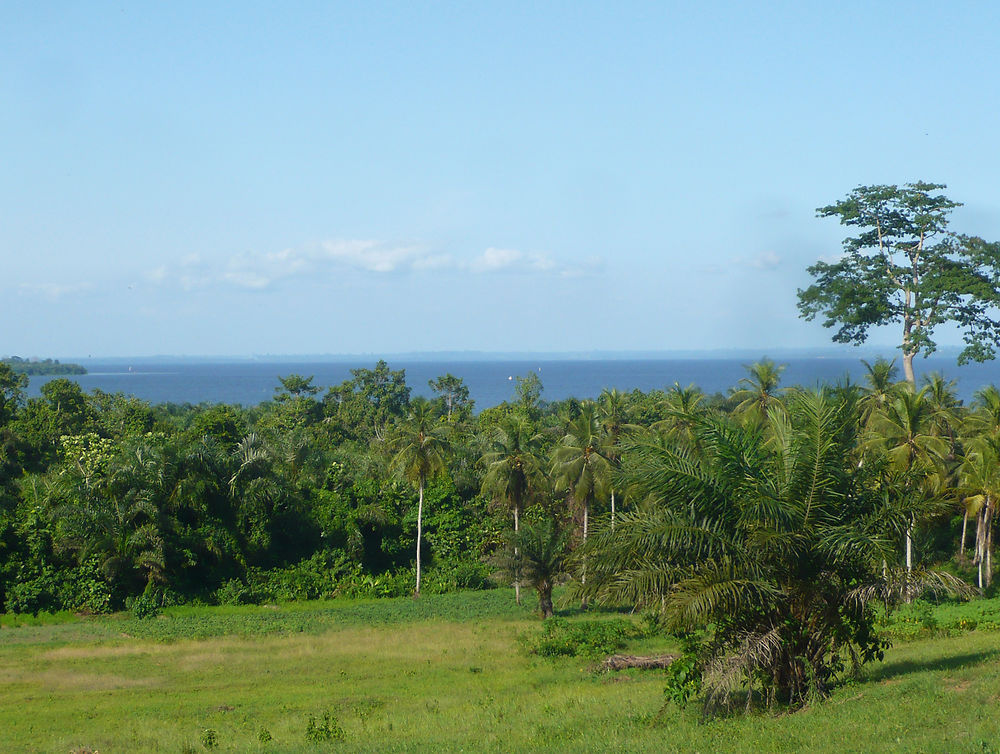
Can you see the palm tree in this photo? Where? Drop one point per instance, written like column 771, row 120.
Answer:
column 760, row 391
column 580, row 466
column 418, row 447
column 116, row 516
column 770, row 535
column 537, row 555
column 684, row 408
column 880, row 382
column 513, row 471
column 979, row 477
column 614, row 426
column 905, row 430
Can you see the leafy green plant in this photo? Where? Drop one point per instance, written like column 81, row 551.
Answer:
column 210, row 738
column 324, row 728
column 684, row 674
column 144, row 606
column 589, row 638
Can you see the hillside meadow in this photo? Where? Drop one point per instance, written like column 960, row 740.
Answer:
column 449, row 673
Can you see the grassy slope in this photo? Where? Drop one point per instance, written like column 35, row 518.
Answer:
column 440, row 674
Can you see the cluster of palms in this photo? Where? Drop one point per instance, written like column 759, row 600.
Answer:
column 780, row 518
column 784, row 519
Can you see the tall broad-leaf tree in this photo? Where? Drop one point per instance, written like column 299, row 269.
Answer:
column 418, row 450
column 906, row 267
column 513, row 473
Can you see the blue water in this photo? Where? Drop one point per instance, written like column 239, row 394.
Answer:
column 489, row 382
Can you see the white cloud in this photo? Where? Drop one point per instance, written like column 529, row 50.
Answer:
column 372, row 255
column 765, row 260
column 434, row 262
column 158, row 274
column 260, row 270
column 494, row 260
column 53, row 291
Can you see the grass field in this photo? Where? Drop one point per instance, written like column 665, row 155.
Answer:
column 443, row 673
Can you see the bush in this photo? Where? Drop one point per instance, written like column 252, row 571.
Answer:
column 324, row 729
column 144, row 606
column 590, row 638
column 684, row 674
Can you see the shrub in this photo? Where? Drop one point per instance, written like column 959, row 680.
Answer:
column 590, row 638
column 325, row 728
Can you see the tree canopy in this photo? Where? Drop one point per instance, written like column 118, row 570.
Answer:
column 906, row 267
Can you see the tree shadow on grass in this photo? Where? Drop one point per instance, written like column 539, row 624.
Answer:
column 894, row 669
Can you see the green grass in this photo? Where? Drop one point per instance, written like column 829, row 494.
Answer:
column 443, row 673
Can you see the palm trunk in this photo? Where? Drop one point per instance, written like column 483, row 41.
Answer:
column 612, row 509
column 583, row 576
column 420, row 528
column 517, row 562
column 965, row 523
column 988, row 543
column 909, row 558
column 980, row 543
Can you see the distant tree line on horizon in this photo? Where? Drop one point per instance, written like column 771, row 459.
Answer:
column 41, row 367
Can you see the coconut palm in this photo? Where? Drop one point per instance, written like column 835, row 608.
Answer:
column 985, row 415
column 881, row 379
column 756, row 394
column 770, row 535
column 418, row 447
column 513, row 471
column 580, row 465
column 905, row 430
column 979, row 477
column 612, row 414
column 684, row 408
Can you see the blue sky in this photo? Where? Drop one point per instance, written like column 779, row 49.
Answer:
column 192, row 178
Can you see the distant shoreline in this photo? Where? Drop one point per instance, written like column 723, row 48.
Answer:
column 43, row 368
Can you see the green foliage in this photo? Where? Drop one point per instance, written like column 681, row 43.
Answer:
column 586, row 638
column 324, row 728
column 144, row 606
column 770, row 535
column 906, row 267
column 210, row 738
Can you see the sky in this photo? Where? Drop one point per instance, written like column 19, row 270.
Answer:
column 305, row 178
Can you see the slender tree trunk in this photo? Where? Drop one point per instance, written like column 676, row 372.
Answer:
column 583, row 576
column 965, row 523
column 980, row 542
column 420, row 528
column 612, row 509
column 908, row 353
column 517, row 562
column 988, row 543
column 909, row 558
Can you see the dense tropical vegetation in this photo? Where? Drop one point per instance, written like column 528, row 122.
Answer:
column 770, row 529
